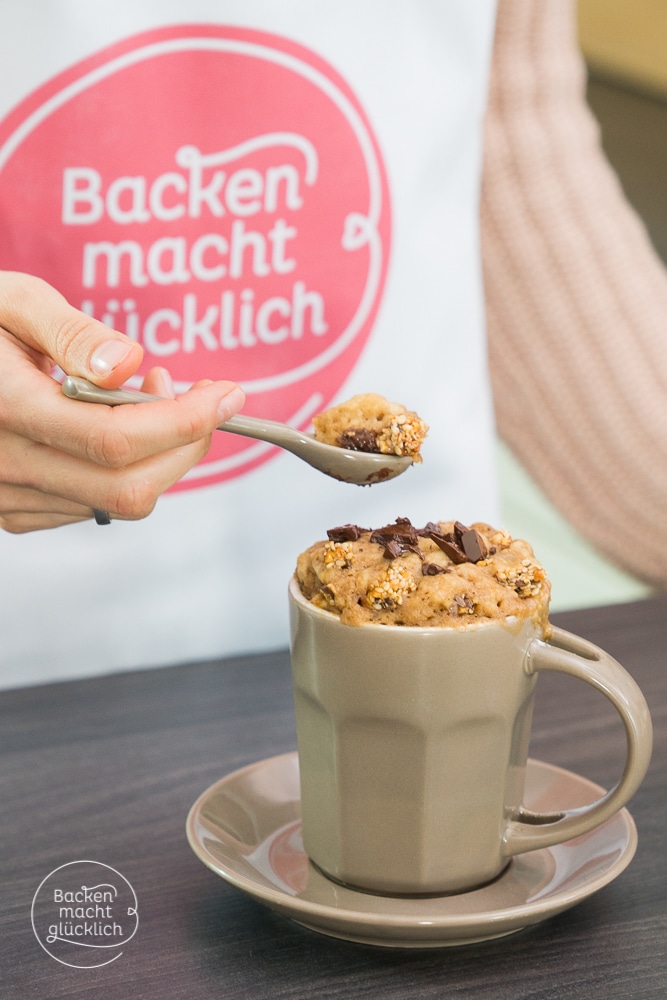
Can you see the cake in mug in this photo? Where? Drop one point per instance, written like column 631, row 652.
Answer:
column 445, row 574
column 369, row 422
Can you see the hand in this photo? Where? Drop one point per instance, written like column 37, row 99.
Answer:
column 59, row 458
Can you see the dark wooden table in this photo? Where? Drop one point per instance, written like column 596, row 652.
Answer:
column 106, row 769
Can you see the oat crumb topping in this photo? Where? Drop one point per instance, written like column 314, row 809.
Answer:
column 390, row 591
column 526, row 580
column 403, row 436
column 338, row 554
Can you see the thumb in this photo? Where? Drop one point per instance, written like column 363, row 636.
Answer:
column 41, row 318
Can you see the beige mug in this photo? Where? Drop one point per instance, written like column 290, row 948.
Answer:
column 413, row 744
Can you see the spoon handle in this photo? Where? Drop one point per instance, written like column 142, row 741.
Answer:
column 80, row 388
column 252, row 427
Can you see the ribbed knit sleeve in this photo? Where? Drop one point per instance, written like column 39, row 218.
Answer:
column 576, row 297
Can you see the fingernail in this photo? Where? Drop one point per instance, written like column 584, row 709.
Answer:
column 108, row 356
column 231, row 403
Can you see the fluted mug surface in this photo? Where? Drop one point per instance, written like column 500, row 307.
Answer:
column 413, row 744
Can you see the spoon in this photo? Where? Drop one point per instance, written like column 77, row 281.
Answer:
column 359, row 467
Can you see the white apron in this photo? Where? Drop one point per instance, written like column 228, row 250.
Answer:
column 282, row 194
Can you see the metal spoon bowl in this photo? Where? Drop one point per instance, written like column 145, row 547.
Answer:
column 361, row 468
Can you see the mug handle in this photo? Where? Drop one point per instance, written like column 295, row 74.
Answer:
column 570, row 654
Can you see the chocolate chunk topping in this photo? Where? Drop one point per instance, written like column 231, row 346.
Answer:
column 398, row 538
column 393, row 549
column 473, row 545
column 346, row 533
column 449, row 545
column 433, row 569
column 362, row 439
column 428, row 528
column 402, row 530
column 461, row 545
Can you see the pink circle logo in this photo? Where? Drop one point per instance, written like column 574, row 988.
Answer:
column 218, row 195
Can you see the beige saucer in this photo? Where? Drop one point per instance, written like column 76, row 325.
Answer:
column 247, row 829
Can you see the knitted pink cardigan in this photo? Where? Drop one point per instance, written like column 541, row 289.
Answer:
column 576, row 297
